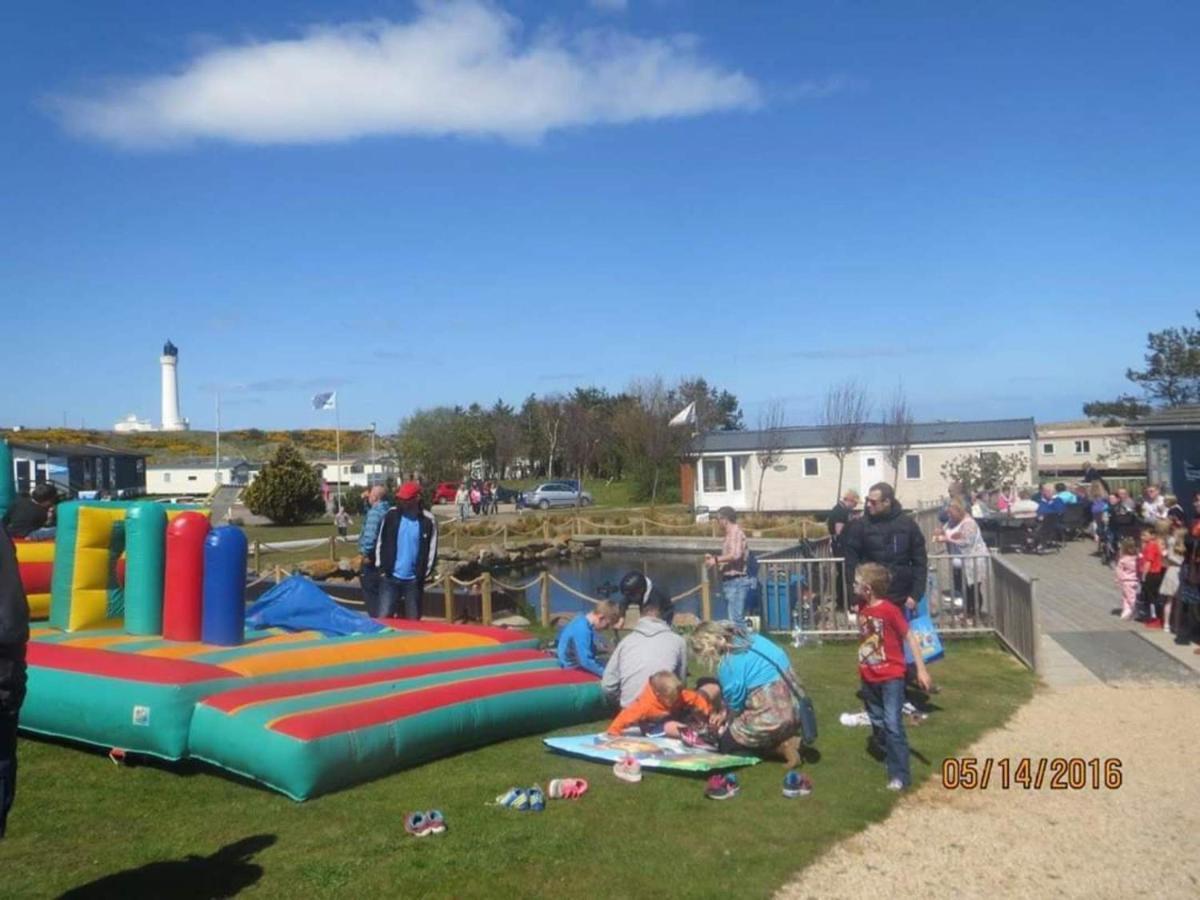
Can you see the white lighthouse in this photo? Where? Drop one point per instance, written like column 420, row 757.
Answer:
column 171, row 420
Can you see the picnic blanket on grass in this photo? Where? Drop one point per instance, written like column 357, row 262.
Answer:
column 653, row 752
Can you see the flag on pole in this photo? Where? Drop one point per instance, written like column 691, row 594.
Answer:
column 328, row 400
column 686, row 416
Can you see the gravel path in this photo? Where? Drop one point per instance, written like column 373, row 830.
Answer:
column 1133, row 842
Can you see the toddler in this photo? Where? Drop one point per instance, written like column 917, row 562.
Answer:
column 1126, row 573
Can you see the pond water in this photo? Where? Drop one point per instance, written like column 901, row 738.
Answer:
column 672, row 573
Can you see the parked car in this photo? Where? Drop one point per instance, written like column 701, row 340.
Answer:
column 556, row 493
column 445, row 492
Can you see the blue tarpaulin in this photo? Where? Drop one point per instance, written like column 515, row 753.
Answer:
column 296, row 603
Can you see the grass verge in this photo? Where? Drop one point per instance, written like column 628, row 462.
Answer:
column 160, row 832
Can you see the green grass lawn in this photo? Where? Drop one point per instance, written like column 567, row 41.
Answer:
column 79, row 818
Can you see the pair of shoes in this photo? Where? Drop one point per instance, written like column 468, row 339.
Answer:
column 567, row 788
column 796, row 784
column 895, row 785
column 721, row 787
column 628, row 769
column 523, row 799
column 691, row 738
column 422, row 824
column 1125, row 617
column 1153, row 623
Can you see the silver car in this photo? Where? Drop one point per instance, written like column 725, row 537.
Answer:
column 555, row 493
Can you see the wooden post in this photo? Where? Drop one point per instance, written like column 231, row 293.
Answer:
column 448, row 593
column 545, row 528
column 487, row 598
column 278, row 576
column 257, row 557
column 705, row 598
column 545, row 598
column 504, row 536
column 645, row 526
column 333, row 549
column 457, row 531
column 804, row 529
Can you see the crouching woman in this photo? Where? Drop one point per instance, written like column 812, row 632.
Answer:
column 761, row 692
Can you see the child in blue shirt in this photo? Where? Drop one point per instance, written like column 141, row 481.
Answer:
column 577, row 640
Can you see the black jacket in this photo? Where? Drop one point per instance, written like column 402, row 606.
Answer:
column 385, row 544
column 893, row 540
column 14, row 609
column 25, row 517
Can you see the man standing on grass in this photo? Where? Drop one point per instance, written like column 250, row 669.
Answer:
column 405, row 554
column 732, row 563
column 888, row 536
column 14, row 635
column 368, row 575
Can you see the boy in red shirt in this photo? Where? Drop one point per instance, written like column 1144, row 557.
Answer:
column 663, row 697
column 882, row 633
column 1150, row 567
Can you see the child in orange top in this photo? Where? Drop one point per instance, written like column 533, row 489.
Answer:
column 663, row 697
column 1150, row 567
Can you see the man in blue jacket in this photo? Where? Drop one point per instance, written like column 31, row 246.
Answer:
column 14, row 635
column 405, row 554
column 368, row 575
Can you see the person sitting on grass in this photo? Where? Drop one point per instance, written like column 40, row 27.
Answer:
column 664, row 697
column 701, row 725
column 882, row 632
column 577, row 641
column 759, row 688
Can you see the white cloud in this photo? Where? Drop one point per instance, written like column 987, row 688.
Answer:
column 460, row 68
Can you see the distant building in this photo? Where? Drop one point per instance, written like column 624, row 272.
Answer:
column 355, row 472
column 131, row 423
column 721, row 468
column 1173, row 451
column 1064, row 447
column 76, row 468
column 196, row 475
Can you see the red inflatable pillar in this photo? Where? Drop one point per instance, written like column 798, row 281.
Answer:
column 183, row 582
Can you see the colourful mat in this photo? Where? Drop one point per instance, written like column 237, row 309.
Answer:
column 652, row 752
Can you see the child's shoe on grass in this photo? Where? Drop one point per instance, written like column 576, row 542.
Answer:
column 628, row 769
column 721, row 786
column 796, row 784
column 567, row 788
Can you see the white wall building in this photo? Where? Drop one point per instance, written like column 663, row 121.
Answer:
column 1064, row 447
column 722, row 468
column 131, row 423
column 196, row 476
column 355, row 472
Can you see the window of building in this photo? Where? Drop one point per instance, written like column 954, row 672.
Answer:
column 912, row 466
column 738, row 463
column 191, row 478
column 1048, row 449
column 1083, row 446
column 812, row 467
column 714, row 475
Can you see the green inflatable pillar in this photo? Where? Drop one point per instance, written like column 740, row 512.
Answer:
column 8, row 487
column 145, row 541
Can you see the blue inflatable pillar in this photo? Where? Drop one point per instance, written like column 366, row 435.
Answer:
column 224, row 587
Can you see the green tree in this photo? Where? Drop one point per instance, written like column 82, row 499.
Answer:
column 986, row 471
column 1171, row 377
column 287, row 490
column 716, row 410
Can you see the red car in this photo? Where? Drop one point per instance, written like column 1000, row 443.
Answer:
column 445, row 492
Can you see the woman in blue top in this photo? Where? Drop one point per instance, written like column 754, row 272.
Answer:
column 759, row 689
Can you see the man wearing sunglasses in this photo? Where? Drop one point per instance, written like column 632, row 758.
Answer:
column 886, row 535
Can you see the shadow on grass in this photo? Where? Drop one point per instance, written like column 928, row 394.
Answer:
column 223, row 874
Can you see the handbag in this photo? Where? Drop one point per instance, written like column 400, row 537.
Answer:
column 805, row 711
column 927, row 639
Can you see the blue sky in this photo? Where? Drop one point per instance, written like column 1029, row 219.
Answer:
column 423, row 204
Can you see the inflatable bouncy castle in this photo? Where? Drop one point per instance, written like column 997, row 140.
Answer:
column 149, row 649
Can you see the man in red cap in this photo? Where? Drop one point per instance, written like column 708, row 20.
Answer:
column 405, row 553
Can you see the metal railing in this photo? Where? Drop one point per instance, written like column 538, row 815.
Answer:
column 1014, row 601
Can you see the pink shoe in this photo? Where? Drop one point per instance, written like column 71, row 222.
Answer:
column 567, row 788
column 692, row 739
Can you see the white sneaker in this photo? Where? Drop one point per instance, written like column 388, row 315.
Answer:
column 895, row 785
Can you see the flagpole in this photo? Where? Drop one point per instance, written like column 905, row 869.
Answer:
column 337, row 437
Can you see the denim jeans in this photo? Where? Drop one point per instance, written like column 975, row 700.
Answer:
column 369, row 578
column 885, row 708
column 735, row 591
column 12, row 693
column 399, row 597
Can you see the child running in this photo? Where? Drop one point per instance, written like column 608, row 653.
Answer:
column 882, row 633
column 1126, row 573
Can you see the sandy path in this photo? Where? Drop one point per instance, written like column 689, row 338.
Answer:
column 1137, row 841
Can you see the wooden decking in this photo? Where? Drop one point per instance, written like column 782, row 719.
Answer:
column 1076, row 596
